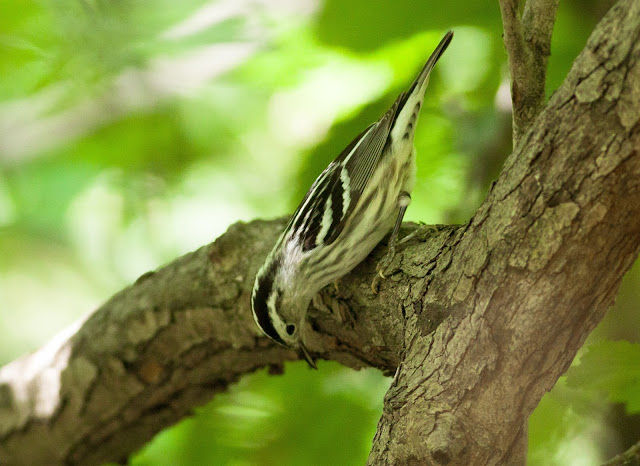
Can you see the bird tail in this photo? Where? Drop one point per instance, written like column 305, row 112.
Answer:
column 423, row 78
column 407, row 106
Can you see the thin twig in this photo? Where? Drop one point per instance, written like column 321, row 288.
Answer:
column 631, row 457
column 527, row 39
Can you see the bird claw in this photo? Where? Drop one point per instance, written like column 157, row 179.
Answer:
column 385, row 262
column 375, row 284
column 381, row 267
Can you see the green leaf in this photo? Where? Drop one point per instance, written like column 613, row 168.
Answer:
column 612, row 367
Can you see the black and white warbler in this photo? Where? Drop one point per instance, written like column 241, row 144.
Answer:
column 350, row 207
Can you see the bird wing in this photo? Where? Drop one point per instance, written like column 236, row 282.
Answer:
column 331, row 199
column 328, row 204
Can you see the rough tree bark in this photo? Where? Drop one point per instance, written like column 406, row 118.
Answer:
column 527, row 39
column 533, row 271
column 477, row 322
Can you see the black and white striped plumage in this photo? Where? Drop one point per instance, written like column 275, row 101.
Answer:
column 352, row 205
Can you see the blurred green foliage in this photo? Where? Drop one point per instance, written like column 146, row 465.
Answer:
column 611, row 368
column 132, row 132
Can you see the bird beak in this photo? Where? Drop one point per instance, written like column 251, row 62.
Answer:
column 302, row 350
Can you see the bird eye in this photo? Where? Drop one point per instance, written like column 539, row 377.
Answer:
column 291, row 329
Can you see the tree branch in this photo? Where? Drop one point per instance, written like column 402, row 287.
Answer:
column 528, row 43
column 631, row 457
column 169, row 343
column 533, row 273
column 478, row 320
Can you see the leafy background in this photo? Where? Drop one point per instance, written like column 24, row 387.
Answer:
column 134, row 131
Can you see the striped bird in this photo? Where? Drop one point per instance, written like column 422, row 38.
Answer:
column 352, row 205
